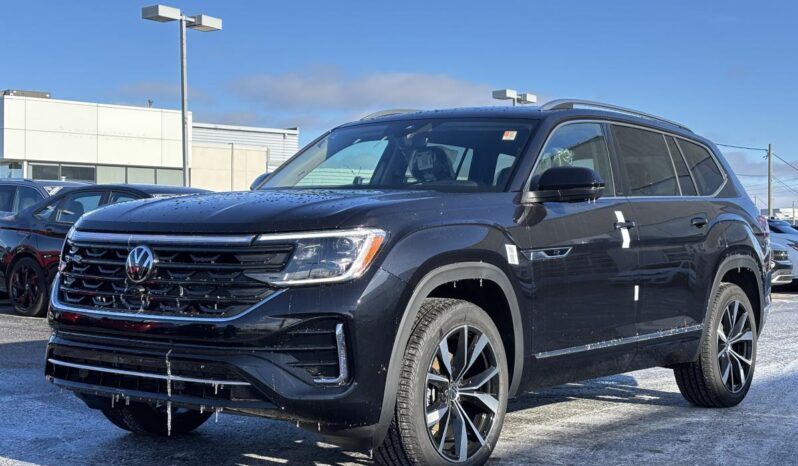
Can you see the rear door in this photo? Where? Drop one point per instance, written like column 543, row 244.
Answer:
column 582, row 263
column 672, row 224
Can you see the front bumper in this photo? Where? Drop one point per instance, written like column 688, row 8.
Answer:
column 243, row 365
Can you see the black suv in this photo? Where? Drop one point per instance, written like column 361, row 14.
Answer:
column 402, row 276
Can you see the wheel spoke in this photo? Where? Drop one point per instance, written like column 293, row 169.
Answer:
column 721, row 333
column 476, row 351
column 745, row 336
column 739, row 326
column 486, row 399
column 739, row 357
column 446, row 422
column 736, row 308
column 726, row 371
column 460, row 355
column 460, row 436
column 471, row 425
column 435, row 414
column 443, row 349
column 437, row 379
column 477, row 381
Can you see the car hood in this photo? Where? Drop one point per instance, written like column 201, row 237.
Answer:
column 277, row 210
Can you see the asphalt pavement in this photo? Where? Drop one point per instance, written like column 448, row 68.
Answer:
column 633, row 418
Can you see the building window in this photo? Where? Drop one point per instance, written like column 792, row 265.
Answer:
column 40, row 171
column 169, row 177
column 77, row 173
column 110, row 175
column 140, row 175
column 11, row 170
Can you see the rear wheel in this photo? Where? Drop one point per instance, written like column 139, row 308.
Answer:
column 142, row 418
column 722, row 375
column 452, row 389
column 27, row 288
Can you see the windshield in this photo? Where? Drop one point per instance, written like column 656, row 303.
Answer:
column 781, row 226
column 467, row 154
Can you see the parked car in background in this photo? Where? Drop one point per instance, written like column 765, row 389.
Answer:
column 785, row 235
column 31, row 240
column 17, row 194
column 781, row 268
column 399, row 279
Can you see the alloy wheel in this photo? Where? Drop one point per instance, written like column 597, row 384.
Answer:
column 24, row 287
column 462, row 393
column 735, row 346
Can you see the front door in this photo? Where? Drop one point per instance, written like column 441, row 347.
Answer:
column 582, row 261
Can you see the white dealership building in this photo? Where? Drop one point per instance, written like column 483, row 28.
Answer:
column 45, row 138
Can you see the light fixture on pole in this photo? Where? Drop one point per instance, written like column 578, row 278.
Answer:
column 203, row 23
column 515, row 96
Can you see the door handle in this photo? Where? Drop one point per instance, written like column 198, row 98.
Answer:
column 699, row 222
column 627, row 224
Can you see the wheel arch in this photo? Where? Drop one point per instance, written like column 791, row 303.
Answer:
column 431, row 281
column 740, row 267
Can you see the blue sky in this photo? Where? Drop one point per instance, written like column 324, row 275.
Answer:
column 725, row 68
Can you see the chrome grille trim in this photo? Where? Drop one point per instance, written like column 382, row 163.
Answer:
column 129, row 239
column 343, row 363
column 148, row 375
column 59, row 306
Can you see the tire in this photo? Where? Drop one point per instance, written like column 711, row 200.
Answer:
column 722, row 375
column 27, row 288
column 142, row 418
column 473, row 404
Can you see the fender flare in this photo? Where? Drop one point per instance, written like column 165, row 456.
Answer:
column 734, row 261
column 430, row 281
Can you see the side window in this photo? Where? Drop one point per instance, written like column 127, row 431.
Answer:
column 685, row 179
column 648, row 164
column 77, row 204
column 707, row 174
column 47, row 211
column 121, row 197
column 7, row 198
column 580, row 145
column 26, row 197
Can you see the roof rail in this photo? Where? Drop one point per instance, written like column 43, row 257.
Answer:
column 567, row 104
column 393, row 111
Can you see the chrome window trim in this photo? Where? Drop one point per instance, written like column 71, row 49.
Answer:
column 646, row 128
column 620, row 341
column 61, row 307
column 148, row 375
column 673, row 165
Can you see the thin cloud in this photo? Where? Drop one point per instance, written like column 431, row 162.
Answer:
column 328, row 89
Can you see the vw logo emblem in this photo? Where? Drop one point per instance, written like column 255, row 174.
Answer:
column 140, row 264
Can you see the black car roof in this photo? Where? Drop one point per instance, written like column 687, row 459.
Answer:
column 535, row 113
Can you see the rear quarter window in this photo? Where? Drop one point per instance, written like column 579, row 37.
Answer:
column 706, row 172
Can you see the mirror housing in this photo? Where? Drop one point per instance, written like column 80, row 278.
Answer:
column 258, row 181
column 566, row 184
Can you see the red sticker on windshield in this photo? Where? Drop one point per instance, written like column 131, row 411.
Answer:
column 509, row 135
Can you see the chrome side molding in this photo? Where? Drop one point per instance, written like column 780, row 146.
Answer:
column 148, row 375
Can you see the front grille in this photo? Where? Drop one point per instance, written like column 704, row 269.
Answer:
column 209, row 381
column 192, row 280
column 780, row 255
column 317, row 347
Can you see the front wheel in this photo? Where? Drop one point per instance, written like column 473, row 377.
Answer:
column 452, row 389
column 722, row 375
column 27, row 288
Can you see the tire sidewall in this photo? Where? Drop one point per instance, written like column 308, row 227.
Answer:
column 724, row 298
column 38, row 308
column 463, row 313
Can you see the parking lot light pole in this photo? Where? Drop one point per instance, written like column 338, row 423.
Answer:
column 203, row 23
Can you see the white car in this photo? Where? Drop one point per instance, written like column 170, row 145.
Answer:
column 783, row 234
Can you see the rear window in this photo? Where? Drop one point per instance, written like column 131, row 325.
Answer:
column 706, row 172
column 7, row 198
column 648, row 165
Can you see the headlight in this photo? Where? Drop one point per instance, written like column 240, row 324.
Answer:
column 323, row 257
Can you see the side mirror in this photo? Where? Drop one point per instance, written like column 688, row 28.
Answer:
column 566, row 184
column 259, row 181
